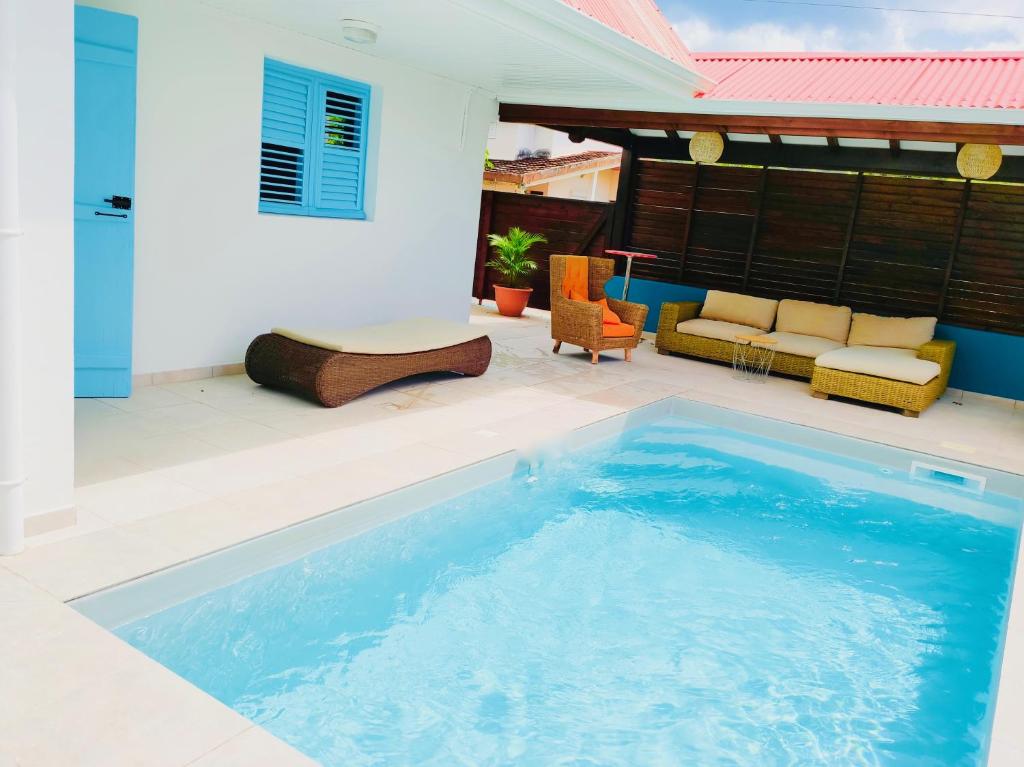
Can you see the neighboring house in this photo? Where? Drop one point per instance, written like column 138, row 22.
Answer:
column 192, row 173
column 511, row 141
column 582, row 176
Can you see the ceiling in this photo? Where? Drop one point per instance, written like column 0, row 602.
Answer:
column 522, row 51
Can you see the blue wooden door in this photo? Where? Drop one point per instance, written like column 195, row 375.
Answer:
column 105, row 48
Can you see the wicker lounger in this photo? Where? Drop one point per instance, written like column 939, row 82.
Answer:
column 333, row 378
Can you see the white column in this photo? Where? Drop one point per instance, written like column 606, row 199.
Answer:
column 593, row 186
column 12, row 466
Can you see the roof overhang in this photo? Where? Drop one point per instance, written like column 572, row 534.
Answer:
column 907, row 140
column 990, row 126
column 521, row 51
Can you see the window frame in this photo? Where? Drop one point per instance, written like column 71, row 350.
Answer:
column 318, row 84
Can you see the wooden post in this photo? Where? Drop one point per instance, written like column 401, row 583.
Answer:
column 689, row 223
column 12, row 437
column 755, row 226
column 480, row 270
column 954, row 248
column 849, row 235
column 623, row 199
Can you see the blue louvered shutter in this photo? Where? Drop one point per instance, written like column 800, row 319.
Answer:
column 284, row 151
column 313, row 146
column 342, row 108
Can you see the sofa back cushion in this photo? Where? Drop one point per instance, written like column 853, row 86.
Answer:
column 810, row 319
column 739, row 309
column 894, row 332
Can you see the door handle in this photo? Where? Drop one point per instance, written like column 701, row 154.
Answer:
column 119, row 202
column 111, row 215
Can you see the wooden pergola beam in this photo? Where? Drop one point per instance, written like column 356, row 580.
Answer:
column 799, row 156
column 917, row 130
column 579, row 133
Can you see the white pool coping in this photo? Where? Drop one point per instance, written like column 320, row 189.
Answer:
column 115, row 606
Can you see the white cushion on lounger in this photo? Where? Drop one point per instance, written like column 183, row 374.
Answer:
column 405, row 337
column 801, row 345
column 723, row 331
column 894, row 364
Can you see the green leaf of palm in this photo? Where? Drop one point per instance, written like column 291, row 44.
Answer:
column 511, row 260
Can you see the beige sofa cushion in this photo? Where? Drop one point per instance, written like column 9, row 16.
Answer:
column 898, row 332
column 739, row 309
column 894, row 364
column 810, row 319
column 723, row 331
column 801, row 345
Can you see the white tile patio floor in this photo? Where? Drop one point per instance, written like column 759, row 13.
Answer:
column 179, row 470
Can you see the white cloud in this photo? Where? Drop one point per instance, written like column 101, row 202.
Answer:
column 700, row 35
column 874, row 31
column 938, row 30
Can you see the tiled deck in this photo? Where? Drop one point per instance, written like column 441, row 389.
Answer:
column 183, row 469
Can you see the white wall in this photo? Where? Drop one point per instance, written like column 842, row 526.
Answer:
column 582, row 186
column 211, row 272
column 45, row 94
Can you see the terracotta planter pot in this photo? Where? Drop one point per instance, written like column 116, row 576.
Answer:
column 511, row 301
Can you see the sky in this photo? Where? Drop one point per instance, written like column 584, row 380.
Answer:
column 820, row 25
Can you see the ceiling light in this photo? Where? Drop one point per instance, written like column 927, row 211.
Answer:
column 359, row 32
column 979, row 161
column 706, row 147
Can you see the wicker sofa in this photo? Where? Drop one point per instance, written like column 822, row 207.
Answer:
column 684, row 327
column 888, row 361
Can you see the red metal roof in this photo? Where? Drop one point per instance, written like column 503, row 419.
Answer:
column 639, row 20
column 992, row 80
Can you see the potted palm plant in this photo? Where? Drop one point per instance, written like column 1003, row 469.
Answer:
column 515, row 267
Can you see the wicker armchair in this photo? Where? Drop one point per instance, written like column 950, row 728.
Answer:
column 579, row 323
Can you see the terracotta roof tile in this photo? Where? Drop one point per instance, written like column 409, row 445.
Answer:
column 536, row 168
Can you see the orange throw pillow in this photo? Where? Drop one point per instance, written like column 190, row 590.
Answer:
column 609, row 317
column 621, row 330
column 576, row 280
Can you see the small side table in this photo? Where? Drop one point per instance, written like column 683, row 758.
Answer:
column 629, row 255
column 752, row 357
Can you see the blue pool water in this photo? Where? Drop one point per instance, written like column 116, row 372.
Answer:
column 680, row 595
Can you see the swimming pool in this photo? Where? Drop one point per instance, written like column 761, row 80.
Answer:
column 679, row 593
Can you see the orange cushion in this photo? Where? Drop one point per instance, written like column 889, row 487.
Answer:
column 609, row 317
column 619, row 330
column 575, row 295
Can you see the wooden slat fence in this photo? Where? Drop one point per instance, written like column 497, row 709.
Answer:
column 885, row 244
column 571, row 226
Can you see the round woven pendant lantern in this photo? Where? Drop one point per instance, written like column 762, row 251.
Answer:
column 706, row 146
column 980, row 161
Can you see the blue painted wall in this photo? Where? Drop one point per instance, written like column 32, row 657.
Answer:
column 986, row 362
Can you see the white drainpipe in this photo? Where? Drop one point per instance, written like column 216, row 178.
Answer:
column 12, row 469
